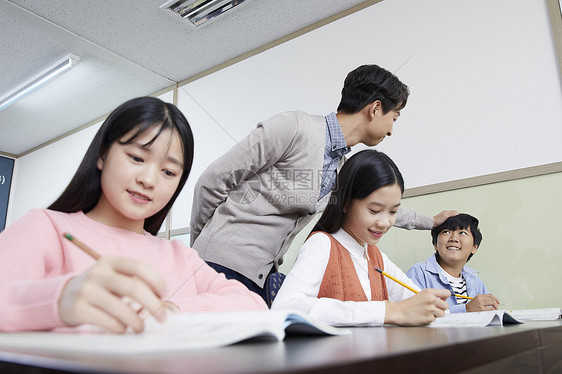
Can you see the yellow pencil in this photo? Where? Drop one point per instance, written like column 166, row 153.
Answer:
column 396, row 280
column 408, row 287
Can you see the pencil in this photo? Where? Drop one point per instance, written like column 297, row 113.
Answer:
column 410, row 288
column 464, row 297
column 83, row 246
column 396, row 280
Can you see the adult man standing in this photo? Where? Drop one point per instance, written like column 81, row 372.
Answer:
column 250, row 203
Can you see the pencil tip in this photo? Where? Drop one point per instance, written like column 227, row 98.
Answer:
column 68, row 236
column 379, row 270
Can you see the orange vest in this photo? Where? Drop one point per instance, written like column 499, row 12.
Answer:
column 341, row 281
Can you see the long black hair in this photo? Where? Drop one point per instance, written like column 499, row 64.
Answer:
column 142, row 113
column 362, row 174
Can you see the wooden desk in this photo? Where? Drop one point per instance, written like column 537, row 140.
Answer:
column 535, row 347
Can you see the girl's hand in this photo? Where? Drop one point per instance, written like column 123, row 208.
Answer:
column 483, row 302
column 98, row 296
column 419, row 309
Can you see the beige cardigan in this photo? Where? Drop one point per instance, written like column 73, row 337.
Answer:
column 250, row 203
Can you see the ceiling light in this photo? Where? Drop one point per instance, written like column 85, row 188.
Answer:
column 197, row 12
column 38, row 80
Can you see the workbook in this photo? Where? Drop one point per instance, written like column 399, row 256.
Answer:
column 476, row 319
column 544, row 314
column 180, row 332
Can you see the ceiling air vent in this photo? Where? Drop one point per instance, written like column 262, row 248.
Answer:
column 197, row 12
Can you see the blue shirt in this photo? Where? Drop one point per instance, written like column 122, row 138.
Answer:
column 334, row 150
column 428, row 274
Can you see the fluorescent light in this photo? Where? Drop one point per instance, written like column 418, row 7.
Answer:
column 38, row 80
column 197, row 12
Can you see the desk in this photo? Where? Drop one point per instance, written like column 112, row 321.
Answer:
column 535, row 347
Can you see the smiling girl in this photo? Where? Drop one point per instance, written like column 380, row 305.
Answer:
column 334, row 278
column 116, row 202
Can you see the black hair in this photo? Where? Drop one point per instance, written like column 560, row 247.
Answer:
column 459, row 222
column 369, row 83
column 362, row 174
column 142, row 113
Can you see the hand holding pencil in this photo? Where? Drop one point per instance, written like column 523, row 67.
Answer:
column 422, row 308
column 96, row 296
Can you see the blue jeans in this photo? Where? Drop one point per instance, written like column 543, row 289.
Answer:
column 231, row 274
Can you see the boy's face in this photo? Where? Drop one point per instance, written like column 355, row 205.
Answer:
column 454, row 246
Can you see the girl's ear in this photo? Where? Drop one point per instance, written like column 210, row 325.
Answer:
column 99, row 164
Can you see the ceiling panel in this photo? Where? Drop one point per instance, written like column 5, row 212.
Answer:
column 126, row 49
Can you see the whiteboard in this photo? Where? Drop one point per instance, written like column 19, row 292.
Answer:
column 485, row 91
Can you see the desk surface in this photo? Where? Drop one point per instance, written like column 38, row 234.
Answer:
column 392, row 349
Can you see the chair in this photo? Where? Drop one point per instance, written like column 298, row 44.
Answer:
column 272, row 285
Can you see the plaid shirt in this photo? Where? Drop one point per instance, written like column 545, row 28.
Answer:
column 334, row 150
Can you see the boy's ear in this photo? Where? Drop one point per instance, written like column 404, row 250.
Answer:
column 475, row 248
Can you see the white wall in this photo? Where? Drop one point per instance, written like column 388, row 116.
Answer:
column 41, row 176
column 483, row 77
column 486, row 94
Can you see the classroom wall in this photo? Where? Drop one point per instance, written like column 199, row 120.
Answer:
column 520, row 256
column 485, row 91
column 486, row 97
column 41, row 176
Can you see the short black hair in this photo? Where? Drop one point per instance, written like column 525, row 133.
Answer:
column 369, row 83
column 460, row 221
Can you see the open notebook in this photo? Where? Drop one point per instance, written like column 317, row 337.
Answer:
column 544, row 314
column 476, row 319
column 180, row 332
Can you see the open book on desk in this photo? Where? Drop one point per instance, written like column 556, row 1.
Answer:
column 180, row 332
column 544, row 314
column 476, row 319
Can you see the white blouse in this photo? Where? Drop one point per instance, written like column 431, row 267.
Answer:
column 300, row 289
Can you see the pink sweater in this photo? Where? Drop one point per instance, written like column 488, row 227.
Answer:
column 36, row 261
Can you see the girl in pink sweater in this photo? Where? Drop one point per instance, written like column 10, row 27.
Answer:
column 116, row 202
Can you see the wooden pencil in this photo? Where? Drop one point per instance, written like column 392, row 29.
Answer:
column 410, row 288
column 83, row 246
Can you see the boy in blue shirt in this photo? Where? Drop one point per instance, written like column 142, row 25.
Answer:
column 455, row 241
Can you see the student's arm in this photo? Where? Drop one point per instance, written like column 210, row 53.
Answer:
column 410, row 219
column 261, row 149
column 99, row 296
column 215, row 293
column 300, row 290
column 33, row 282
column 406, row 308
column 30, row 252
column 483, row 302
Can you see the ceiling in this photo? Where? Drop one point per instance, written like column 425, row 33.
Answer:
column 127, row 49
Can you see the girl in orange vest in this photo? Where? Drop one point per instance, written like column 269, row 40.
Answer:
column 334, row 279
